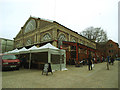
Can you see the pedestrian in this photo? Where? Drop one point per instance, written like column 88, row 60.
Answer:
column 112, row 60
column 103, row 59
column 108, row 62
column 20, row 58
column 24, row 61
column 89, row 62
column 93, row 60
column 83, row 61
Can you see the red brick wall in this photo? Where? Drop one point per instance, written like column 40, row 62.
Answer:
column 111, row 48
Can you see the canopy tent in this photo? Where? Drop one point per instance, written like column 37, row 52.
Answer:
column 33, row 49
column 57, row 57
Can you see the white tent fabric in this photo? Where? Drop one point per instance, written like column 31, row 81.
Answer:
column 48, row 45
column 33, row 48
column 46, row 48
column 23, row 50
column 7, row 52
column 15, row 51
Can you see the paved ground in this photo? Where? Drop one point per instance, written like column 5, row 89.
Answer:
column 75, row 77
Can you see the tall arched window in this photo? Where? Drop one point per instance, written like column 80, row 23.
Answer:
column 46, row 37
column 31, row 25
column 62, row 37
column 29, row 41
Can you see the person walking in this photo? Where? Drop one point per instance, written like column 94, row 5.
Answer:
column 90, row 62
column 112, row 60
column 108, row 59
column 24, row 61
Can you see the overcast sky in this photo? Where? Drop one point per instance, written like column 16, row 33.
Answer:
column 74, row 14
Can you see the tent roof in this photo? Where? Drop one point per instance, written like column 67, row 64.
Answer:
column 35, row 49
column 32, row 48
column 23, row 49
column 14, row 51
column 48, row 45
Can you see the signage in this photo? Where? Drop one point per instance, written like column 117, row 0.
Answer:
column 47, row 68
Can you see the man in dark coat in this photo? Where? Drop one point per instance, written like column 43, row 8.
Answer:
column 112, row 60
column 89, row 62
column 108, row 62
column 24, row 61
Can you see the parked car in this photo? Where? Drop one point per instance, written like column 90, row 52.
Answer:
column 118, row 59
column 9, row 61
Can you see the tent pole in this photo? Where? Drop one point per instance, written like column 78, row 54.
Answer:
column 49, row 58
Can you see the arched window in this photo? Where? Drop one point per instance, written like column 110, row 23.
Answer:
column 73, row 40
column 46, row 37
column 28, row 42
column 62, row 37
column 31, row 25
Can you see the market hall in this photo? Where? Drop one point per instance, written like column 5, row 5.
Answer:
column 38, row 32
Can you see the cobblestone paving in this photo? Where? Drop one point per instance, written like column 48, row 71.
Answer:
column 75, row 77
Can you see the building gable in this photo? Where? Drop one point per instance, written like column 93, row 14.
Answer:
column 32, row 24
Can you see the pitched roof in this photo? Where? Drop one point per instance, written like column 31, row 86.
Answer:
column 54, row 22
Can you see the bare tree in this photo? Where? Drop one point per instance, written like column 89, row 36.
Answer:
column 95, row 34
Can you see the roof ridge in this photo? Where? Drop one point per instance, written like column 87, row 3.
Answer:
column 42, row 19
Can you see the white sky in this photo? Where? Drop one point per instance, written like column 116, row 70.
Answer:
column 74, row 14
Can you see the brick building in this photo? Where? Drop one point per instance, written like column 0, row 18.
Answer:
column 37, row 31
column 109, row 48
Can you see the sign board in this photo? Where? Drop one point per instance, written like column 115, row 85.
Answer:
column 47, row 68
